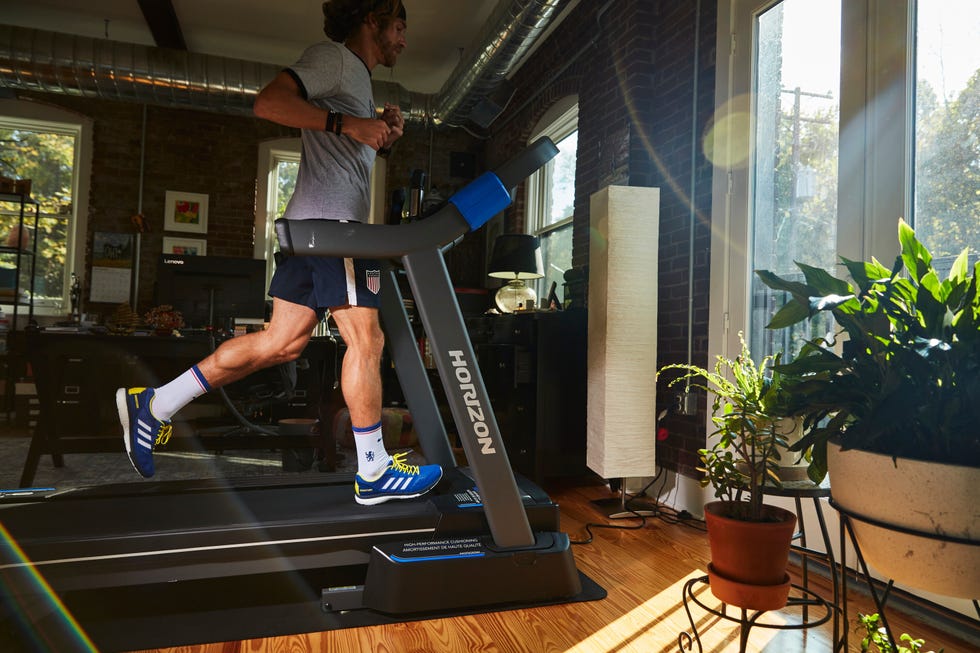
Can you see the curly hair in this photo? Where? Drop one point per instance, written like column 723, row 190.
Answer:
column 342, row 17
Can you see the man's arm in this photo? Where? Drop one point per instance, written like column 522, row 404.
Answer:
column 282, row 102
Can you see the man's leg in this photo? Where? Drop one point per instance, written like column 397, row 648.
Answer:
column 380, row 476
column 145, row 412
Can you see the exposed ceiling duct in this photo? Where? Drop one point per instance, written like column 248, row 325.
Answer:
column 510, row 32
column 54, row 62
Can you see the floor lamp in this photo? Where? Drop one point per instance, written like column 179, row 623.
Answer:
column 622, row 357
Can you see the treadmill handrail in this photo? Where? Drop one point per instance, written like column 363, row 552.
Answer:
column 467, row 210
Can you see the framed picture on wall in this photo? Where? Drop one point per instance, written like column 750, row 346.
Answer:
column 186, row 212
column 190, row 246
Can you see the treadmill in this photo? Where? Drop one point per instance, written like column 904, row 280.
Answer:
column 482, row 538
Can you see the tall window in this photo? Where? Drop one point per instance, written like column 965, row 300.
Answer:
column 947, row 128
column 278, row 165
column 794, row 199
column 819, row 155
column 47, row 152
column 551, row 194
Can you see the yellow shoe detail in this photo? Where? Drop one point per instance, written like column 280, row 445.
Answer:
column 135, row 392
column 398, row 464
column 163, row 437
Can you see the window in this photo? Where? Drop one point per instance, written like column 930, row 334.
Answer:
column 551, row 194
column 278, row 166
column 808, row 167
column 947, row 141
column 794, row 199
column 48, row 146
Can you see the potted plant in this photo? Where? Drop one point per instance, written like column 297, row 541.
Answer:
column 749, row 540
column 877, row 639
column 892, row 409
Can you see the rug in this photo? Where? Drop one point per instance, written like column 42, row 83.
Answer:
column 271, row 609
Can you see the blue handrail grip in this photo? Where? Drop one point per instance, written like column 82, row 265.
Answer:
column 481, row 199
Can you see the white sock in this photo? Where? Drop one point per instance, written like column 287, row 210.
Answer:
column 372, row 457
column 170, row 398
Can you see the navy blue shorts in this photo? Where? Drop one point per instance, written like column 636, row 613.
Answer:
column 322, row 283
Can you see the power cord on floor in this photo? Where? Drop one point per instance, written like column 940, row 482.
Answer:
column 589, row 526
column 661, row 512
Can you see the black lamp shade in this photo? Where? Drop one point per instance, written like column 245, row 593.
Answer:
column 516, row 256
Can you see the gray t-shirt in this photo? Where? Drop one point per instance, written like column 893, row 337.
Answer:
column 334, row 178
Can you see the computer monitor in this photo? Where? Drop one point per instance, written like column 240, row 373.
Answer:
column 211, row 291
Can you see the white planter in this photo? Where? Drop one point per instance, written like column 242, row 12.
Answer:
column 923, row 496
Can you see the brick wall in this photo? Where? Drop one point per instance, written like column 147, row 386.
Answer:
column 186, row 150
column 217, row 154
column 632, row 65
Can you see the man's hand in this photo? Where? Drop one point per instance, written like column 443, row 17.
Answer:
column 392, row 116
column 369, row 131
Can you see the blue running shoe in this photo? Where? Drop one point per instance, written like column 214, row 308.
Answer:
column 141, row 430
column 398, row 481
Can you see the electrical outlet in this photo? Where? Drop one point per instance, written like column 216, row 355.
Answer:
column 677, row 405
column 688, row 403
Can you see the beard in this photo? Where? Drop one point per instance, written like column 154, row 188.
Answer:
column 389, row 49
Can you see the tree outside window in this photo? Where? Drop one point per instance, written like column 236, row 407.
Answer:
column 551, row 196
column 46, row 155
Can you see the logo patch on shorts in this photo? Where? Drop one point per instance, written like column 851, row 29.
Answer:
column 372, row 279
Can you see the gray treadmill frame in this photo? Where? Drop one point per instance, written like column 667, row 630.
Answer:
column 418, row 247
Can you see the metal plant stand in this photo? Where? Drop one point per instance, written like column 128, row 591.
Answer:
column 880, row 598
column 751, row 619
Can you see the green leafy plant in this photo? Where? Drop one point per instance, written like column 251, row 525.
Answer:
column 906, row 379
column 747, row 453
column 877, row 637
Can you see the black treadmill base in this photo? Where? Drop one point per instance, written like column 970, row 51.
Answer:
column 176, row 624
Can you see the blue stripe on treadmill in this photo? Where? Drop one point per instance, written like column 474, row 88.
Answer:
column 475, row 554
column 26, row 490
column 481, row 199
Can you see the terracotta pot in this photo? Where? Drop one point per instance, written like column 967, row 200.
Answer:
column 927, row 497
column 751, row 554
column 745, row 595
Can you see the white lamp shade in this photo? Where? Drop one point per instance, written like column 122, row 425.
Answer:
column 622, row 357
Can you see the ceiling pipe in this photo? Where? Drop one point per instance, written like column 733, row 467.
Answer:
column 53, row 62
column 510, row 32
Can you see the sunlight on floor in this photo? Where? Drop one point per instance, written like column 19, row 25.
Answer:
column 656, row 624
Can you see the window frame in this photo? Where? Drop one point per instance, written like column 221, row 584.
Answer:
column 559, row 122
column 271, row 153
column 23, row 114
column 876, row 142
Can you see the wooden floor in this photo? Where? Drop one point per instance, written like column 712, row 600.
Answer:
column 643, row 571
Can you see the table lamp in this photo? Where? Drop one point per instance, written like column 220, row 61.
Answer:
column 515, row 257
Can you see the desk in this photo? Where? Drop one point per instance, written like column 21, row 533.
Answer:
column 77, row 374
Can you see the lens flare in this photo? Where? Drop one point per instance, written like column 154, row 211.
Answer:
column 728, row 139
column 42, row 614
